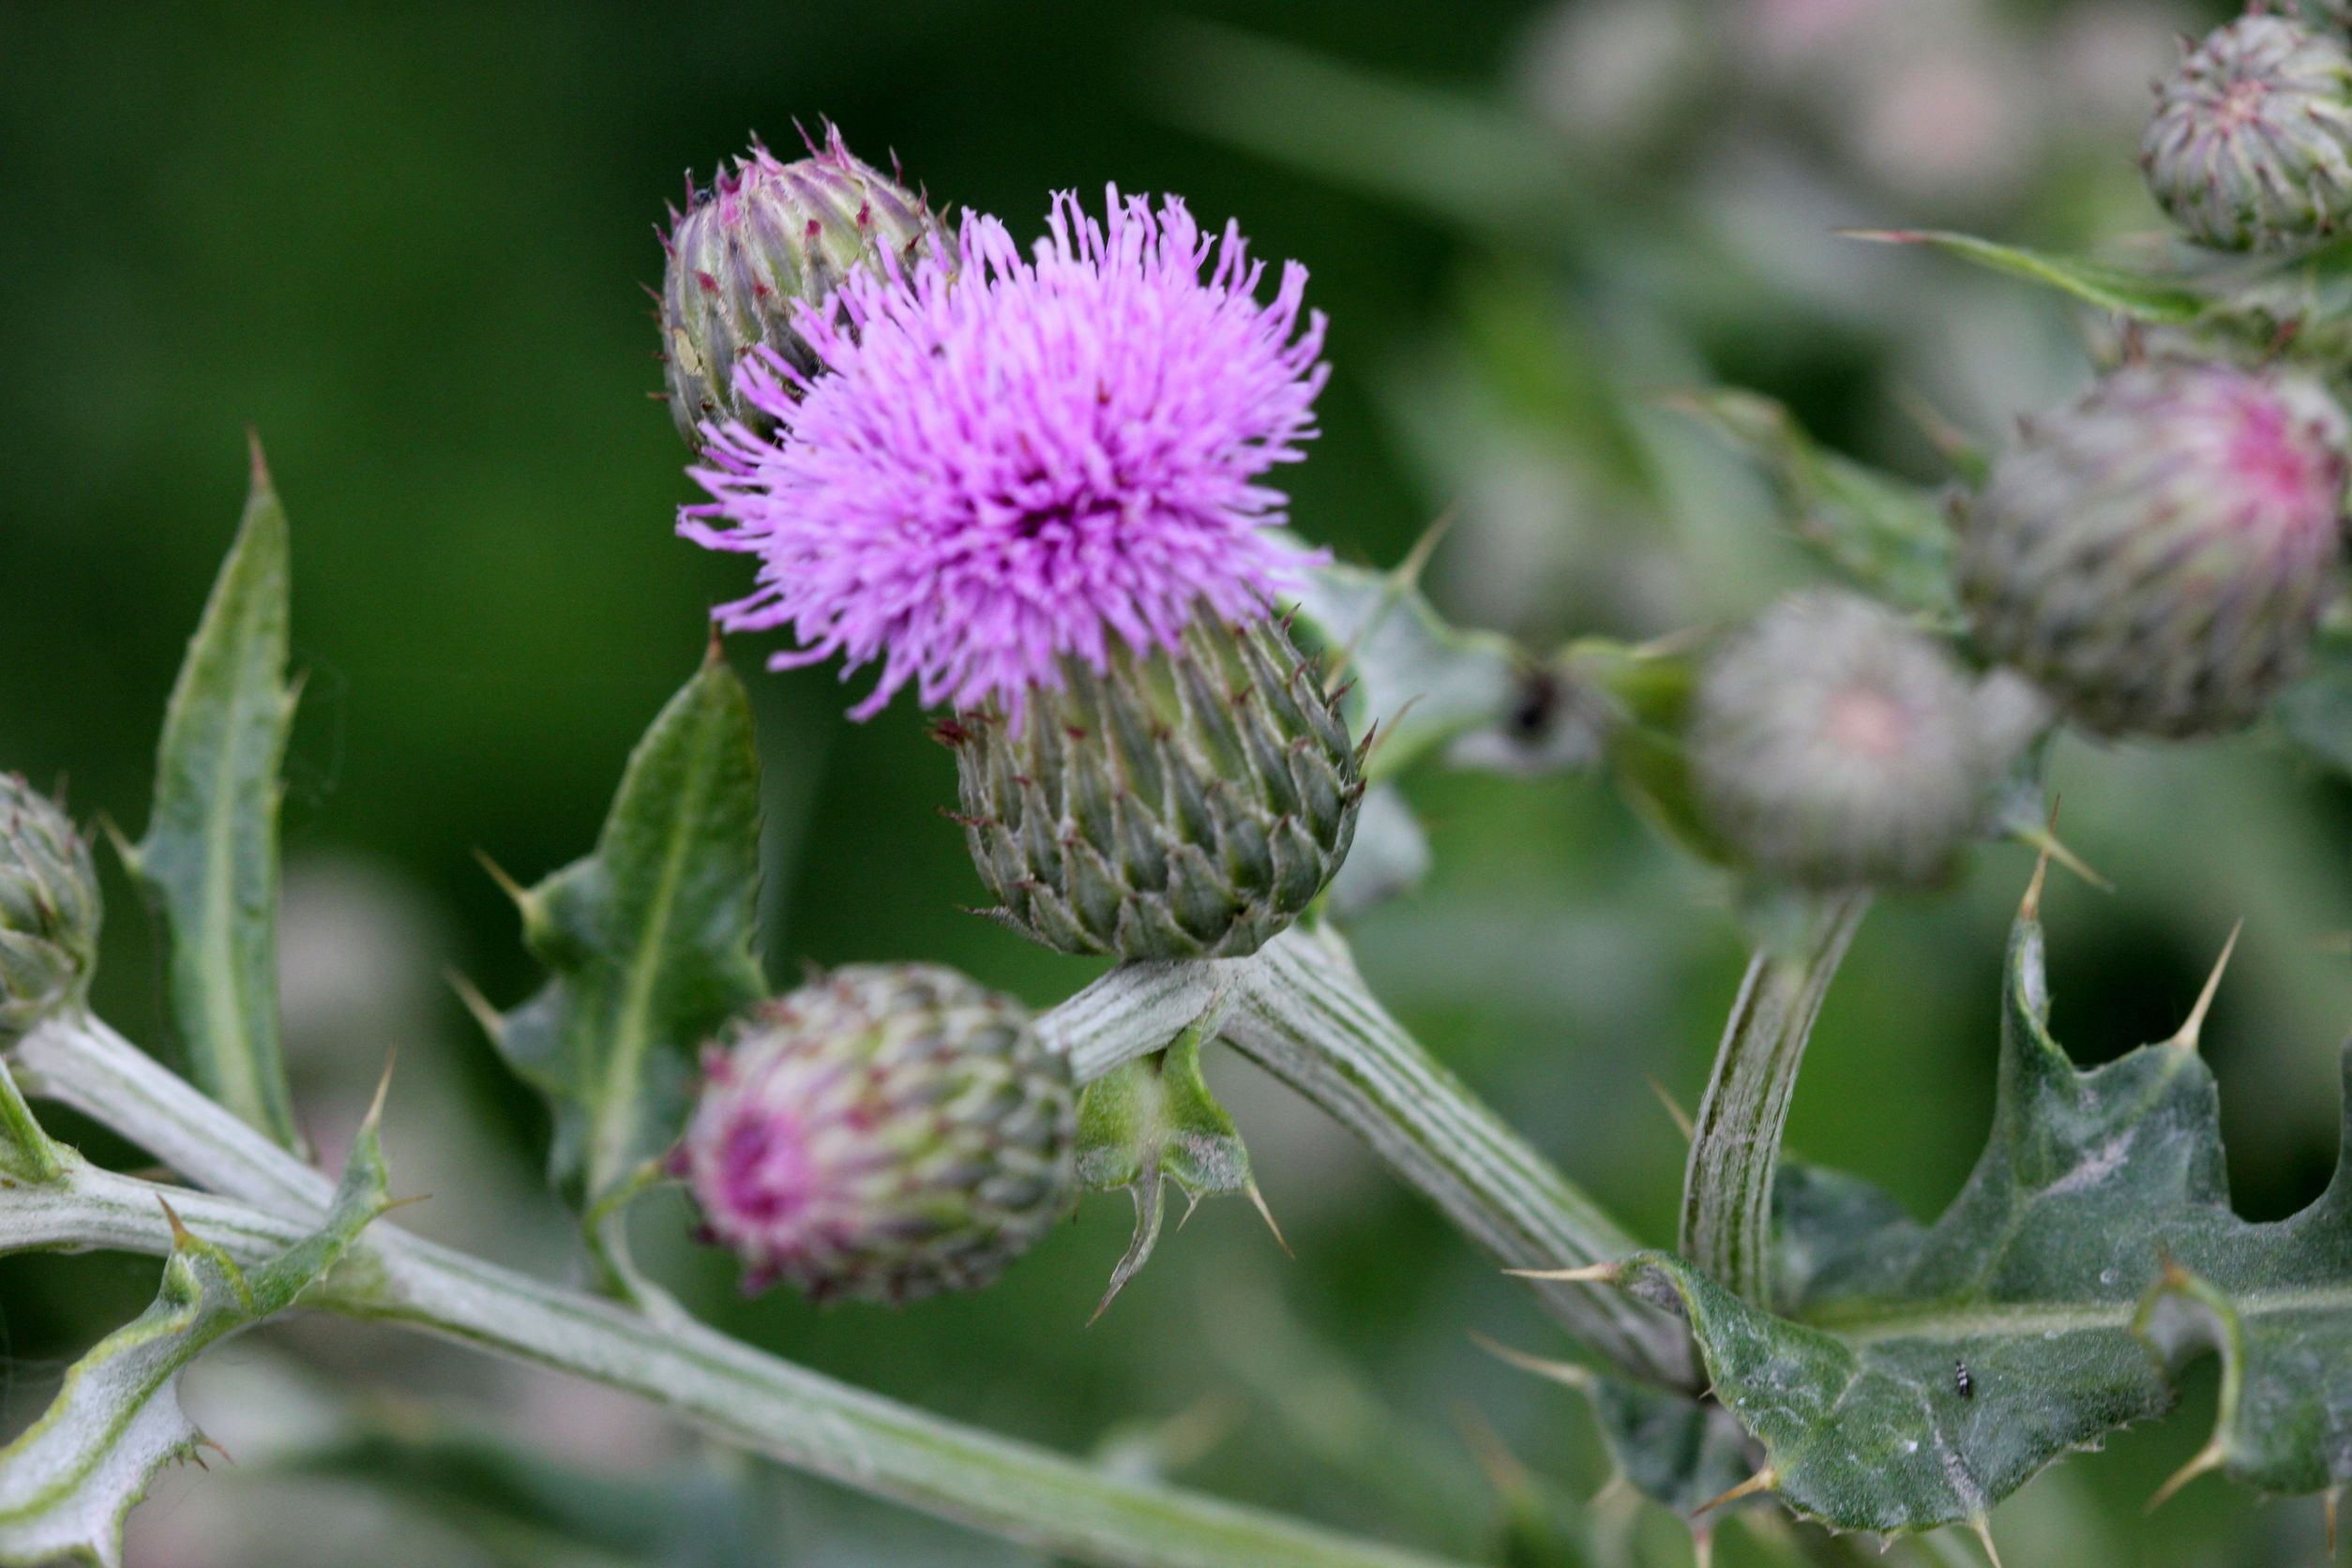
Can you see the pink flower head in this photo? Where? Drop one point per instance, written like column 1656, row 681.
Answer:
column 1004, row 461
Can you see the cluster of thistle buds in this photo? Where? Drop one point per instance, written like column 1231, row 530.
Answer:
column 1029, row 484
column 49, row 908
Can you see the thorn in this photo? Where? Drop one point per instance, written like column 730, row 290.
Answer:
column 506, row 884
column 180, row 1235
column 1984, row 1528
column 1409, row 570
column 2333, row 1493
column 207, row 1440
column 713, row 651
column 1257, row 1199
column 1591, row 1273
column 1765, row 1480
column 1568, row 1374
column 476, row 1004
column 259, row 464
column 2187, row 1037
column 2031, row 907
column 2209, row 1457
column 1673, row 1108
column 384, row 1088
column 409, row 1202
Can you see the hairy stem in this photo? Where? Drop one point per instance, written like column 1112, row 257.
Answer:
column 1308, row 1018
column 739, row 1394
column 1735, row 1150
column 1298, row 1008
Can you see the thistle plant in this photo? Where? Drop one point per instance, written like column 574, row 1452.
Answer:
column 1028, row 482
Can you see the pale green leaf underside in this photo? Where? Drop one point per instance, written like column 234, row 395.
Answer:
column 1889, row 535
column 69, row 1481
column 2031, row 1280
column 1422, row 681
column 649, row 940
column 209, row 861
column 2143, row 297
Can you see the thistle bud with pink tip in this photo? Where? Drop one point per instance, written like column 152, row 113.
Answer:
column 767, row 239
column 2250, row 145
column 49, row 908
column 2156, row 556
column 885, row 1133
column 1834, row 747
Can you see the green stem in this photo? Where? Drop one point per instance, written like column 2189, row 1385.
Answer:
column 1735, row 1149
column 1307, row 1018
column 729, row 1390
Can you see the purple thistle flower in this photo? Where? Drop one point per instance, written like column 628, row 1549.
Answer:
column 1004, row 461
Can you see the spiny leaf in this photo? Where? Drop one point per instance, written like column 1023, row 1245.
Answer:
column 67, row 1482
column 209, row 864
column 1891, row 536
column 649, row 941
column 1913, row 1376
column 2142, row 296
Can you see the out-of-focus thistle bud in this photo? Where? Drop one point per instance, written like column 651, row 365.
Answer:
column 49, row 908
column 2250, row 145
column 2155, row 556
column 885, row 1131
column 1189, row 802
column 764, row 239
column 1834, row 747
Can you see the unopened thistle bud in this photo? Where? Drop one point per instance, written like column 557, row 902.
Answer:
column 1185, row 804
column 2250, row 145
column 2155, row 556
column 1033, row 492
column 765, row 240
column 49, row 908
column 885, row 1133
column 1835, row 747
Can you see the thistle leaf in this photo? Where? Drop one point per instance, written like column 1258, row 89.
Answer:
column 209, row 864
column 1421, row 682
column 2142, row 296
column 67, row 1482
column 648, row 942
column 1888, row 536
column 1913, row 1376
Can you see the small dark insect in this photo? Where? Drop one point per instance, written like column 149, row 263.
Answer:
column 1963, row 1380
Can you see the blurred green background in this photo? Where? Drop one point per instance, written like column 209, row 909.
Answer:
column 406, row 244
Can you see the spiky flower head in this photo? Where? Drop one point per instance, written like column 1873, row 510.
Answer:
column 49, row 908
column 1834, row 747
column 2156, row 555
column 766, row 240
column 885, row 1131
column 1189, row 802
column 1004, row 463
column 2250, row 145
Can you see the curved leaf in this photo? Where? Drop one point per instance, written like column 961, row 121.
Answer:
column 209, row 864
